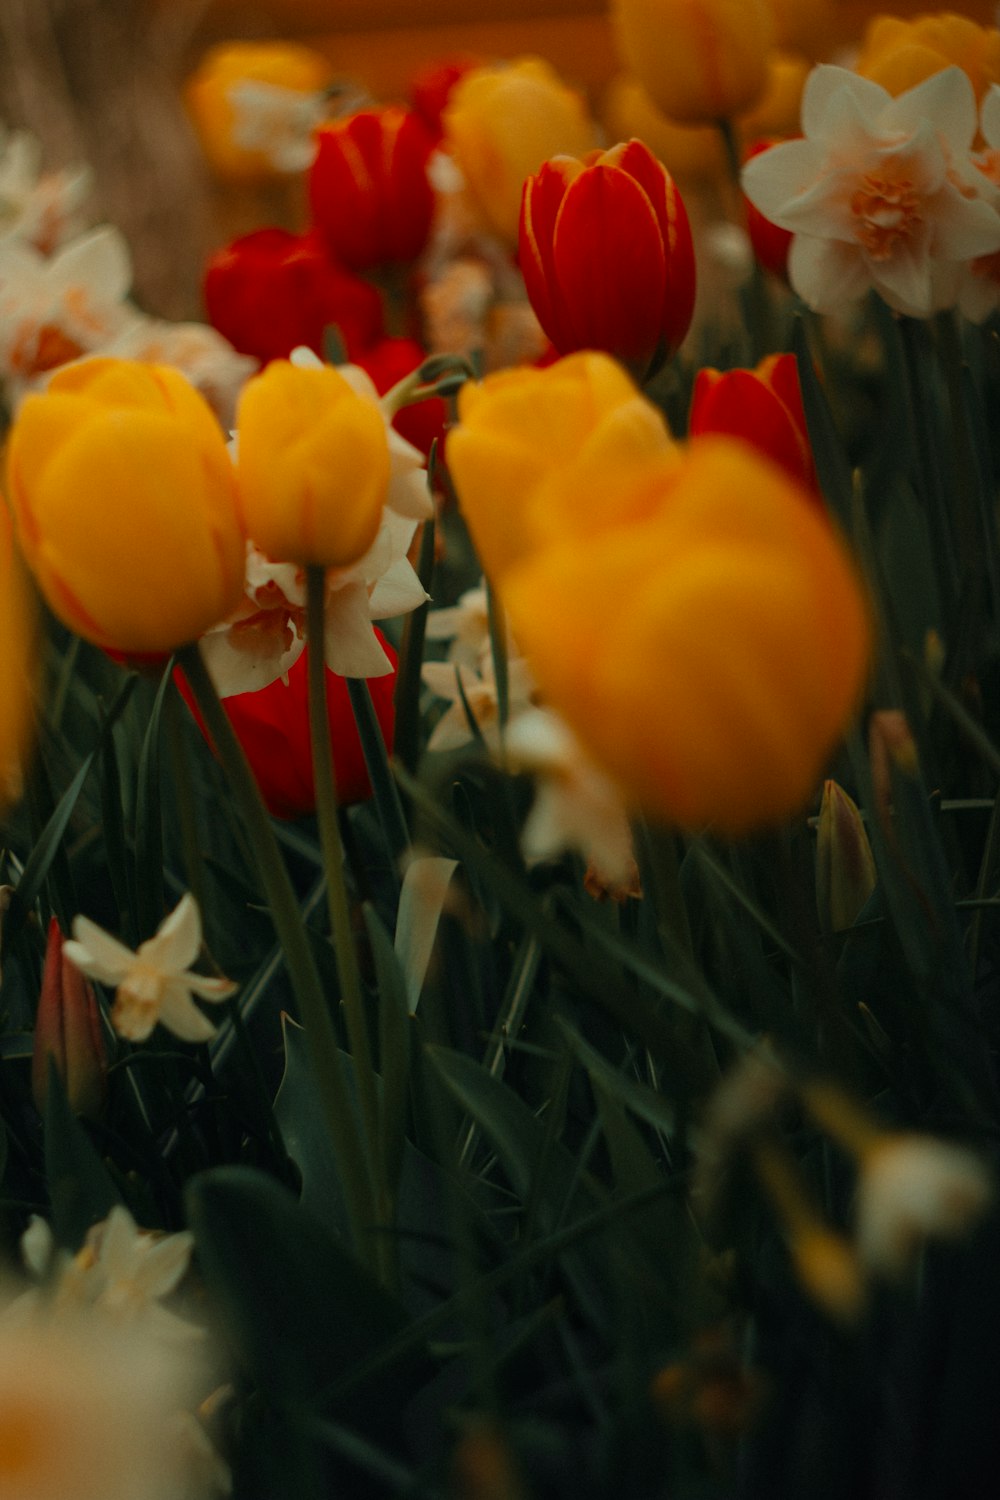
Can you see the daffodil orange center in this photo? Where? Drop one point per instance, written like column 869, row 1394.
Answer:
column 886, row 212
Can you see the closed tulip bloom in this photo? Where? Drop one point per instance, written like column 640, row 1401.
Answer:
column 294, row 73
column 710, row 653
column 313, row 465
column 699, row 60
column 272, row 291
column 68, row 1030
column 369, row 192
column 762, row 407
column 501, row 123
column 519, row 427
column 17, row 630
column 845, row 865
column 899, row 53
column 606, row 253
column 125, row 503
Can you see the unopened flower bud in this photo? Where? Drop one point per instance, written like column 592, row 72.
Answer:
column 68, row 1029
column 845, row 867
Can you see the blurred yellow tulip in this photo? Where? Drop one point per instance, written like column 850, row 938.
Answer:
column 520, row 428
column 501, row 123
column 699, row 60
column 313, row 465
column 899, row 54
column 710, row 652
column 690, row 153
column 778, row 111
column 804, row 26
column 17, row 660
column 125, row 504
column 210, row 103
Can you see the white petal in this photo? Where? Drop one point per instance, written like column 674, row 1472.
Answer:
column 179, row 1014
column 452, row 730
column 164, row 1263
column 945, row 99
column 96, row 953
column 100, row 261
column 209, row 987
column 352, row 648
column 826, row 273
column 831, row 94
column 905, row 282
column 966, row 228
column 397, row 592
column 989, row 116
column 773, row 178
column 177, row 942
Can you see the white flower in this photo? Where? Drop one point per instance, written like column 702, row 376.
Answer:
column 38, row 209
column 880, row 192
column 467, row 625
column 207, row 359
column 913, row 1186
column 576, row 807
column 87, row 1410
column 122, row 1270
column 276, row 121
column 479, row 688
column 155, row 983
column 55, row 310
column 975, row 285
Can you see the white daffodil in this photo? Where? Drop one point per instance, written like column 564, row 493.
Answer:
column 154, row 984
column 280, row 122
column 53, row 310
column 576, row 806
column 880, row 192
column 39, row 209
column 467, row 625
column 975, row 285
column 454, row 681
column 124, row 1271
column 913, row 1187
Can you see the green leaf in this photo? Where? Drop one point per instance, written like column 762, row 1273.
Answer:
column 833, row 468
column 149, row 896
column 80, row 1190
column 40, row 860
column 298, row 1306
column 394, row 1047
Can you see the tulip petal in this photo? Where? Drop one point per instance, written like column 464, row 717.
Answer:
column 540, row 204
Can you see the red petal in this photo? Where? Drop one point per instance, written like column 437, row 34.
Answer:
column 541, row 200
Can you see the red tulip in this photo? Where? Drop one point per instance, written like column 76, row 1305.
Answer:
column 763, row 407
column 68, row 1030
column 430, row 89
column 770, row 242
column 390, row 361
column 272, row 290
column 369, row 192
column 272, row 725
column 605, row 250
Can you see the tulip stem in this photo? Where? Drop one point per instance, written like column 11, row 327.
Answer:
column 331, row 845
column 327, row 1062
column 755, row 296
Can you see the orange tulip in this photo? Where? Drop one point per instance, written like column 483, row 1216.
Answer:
column 763, row 407
column 899, row 54
column 607, row 258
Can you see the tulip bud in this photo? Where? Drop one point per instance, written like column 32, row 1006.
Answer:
column 370, row 195
column 762, row 407
column 302, row 289
column 845, row 866
column 158, row 556
column 313, row 465
column 68, row 1030
column 700, row 61
column 501, row 123
column 890, row 745
column 607, row 257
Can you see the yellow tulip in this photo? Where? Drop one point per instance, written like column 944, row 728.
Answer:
column 17, row 630
column 690, row 153
column 520, row 428
column 710, row 652
column 501, row 123
column 313, row 465
column 804, row 26
column 208, row 97
column 899, row 54
column 777, row 111
column 698, row 60
column 125, row 503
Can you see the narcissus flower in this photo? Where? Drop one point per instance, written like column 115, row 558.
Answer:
column 881, row 192
column 371, row 198
column 501, row 123
column 293, row 76
column 762, row 407
column 606, row 253
column 710, row 652
column 271, row 291
column 156, row 556
column 770, row 243
column 68, row 1030
column 698, row 60
column 313, row 465
column 900, row 53
column 582, row 414
column 154, row 984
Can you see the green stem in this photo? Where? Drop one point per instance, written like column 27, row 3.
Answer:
column 326, row 1059
column 351, row 992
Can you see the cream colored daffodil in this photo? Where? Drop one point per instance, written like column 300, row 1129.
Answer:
column 913, row 1187
column 454, row 681
column 880, row 192
column 154, row 984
